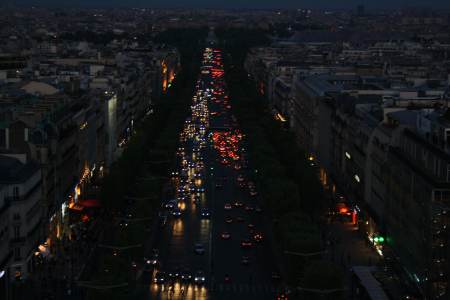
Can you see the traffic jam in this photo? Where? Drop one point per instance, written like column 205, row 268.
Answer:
column 212, row 223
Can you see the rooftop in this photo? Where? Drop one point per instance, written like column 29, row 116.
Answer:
column 12, row 170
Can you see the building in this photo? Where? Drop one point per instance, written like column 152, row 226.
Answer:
column 417, row 180
column 21, row 184
column 386, row 149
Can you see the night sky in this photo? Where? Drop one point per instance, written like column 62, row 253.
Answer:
column 243, row 3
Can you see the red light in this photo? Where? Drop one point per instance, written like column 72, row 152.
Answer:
column 343, row 210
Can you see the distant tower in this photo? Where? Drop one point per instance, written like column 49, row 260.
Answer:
column 360, row 10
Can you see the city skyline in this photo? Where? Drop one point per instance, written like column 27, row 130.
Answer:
column 248, row 4
column 206, row 154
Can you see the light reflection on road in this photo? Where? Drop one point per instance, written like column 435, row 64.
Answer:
column 204, row 229
column 177, row 228
column 179, row 291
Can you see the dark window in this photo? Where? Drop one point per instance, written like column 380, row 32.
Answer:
column 17, row 253
column 448, row 173
column 17, row 231
column 2, row 138
column 16, row 192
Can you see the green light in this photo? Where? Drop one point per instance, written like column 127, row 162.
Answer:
column 378, row 239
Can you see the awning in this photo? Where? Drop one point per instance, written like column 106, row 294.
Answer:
column 89, row 203
column 76, row 207
column 368, row 281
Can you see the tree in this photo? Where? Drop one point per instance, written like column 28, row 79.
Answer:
column 322, row 280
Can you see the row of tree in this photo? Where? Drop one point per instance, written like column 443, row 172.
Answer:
column 289, row 184
column 137, row 182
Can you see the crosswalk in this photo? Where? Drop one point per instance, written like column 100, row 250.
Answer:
column 244, row 288
column 219, row 291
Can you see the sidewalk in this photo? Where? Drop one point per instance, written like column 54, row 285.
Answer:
column 347, row 248
column 55, row 277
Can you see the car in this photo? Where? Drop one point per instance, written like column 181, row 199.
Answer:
column 186, row 276
column 224, row 162
column 219, row 185
column 174, row 274
column 199, row 277
column 238, row 204
column 237, row 167
column 171, row 204
column 197, row 199
column 245, row 244
column 227, row 206
column 199, row 248
column 160, row 278
column 240, row 219
column 176, row 213
column 249, row 208
column 258, row 237
column 245, row 260
column 148, row 266
column 154, row 258
column 253, row 193
column 258, row 209
column 205, row 213
column 225, row 235
column 228, row 219
column 240, row 178
column 251, row 226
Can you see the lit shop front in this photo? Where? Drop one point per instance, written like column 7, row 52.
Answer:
column 61, row 222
